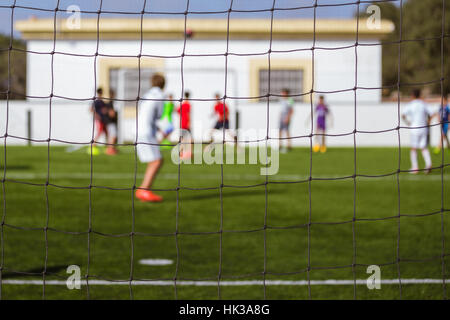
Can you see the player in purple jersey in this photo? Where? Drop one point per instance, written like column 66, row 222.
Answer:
column 321, row 111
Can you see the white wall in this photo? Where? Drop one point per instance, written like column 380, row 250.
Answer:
column 74, row 79
column 72, row 121
column 334, row 69
column 371, row 118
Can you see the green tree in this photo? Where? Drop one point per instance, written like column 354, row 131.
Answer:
column 12, row 68
column 390, row 12
column 421, row 35
column 421, row 58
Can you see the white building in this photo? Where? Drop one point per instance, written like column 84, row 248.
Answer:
column 228, row 57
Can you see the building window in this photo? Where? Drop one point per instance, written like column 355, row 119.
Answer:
column 106, row 66
column 125, row 82
column 291, row 79
column 292, row 74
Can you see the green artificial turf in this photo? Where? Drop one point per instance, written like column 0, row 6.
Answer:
column 247, row 230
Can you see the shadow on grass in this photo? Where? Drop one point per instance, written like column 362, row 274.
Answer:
column 229, row 194
column 34, row 272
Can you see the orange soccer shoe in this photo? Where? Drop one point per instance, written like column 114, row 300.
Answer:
column 110, row 151
column 147, row 196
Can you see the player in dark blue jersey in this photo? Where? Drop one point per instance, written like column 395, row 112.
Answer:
column 100, row 110
column 444, row 119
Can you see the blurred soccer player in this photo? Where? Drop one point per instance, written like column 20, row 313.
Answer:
column 416, row 115
column 184, row 110
column 221, row 113
column 111, row 125
column 287, row 110
column 444, row 119
column 149, row 111
column 221, row 110
column 321, row 111
column 100, row 110
column 167, row 117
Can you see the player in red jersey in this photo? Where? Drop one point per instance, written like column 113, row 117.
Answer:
column 184, row 110
column 221, row 110
column 221, row 113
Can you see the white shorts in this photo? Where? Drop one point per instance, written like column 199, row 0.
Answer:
column 148, row 152
column 419, row 138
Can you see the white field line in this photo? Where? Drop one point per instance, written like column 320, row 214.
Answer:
column 330, row 282
column 156, row 262
column 206, row 176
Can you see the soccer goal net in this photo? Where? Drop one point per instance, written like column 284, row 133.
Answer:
column 186, row 149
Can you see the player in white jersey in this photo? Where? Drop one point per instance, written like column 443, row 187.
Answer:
column 416, row 115
column 149, row 112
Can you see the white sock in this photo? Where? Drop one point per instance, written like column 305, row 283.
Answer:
column 426, row 157
column 413, row 155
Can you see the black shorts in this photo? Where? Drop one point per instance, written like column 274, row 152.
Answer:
column 221, row 124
